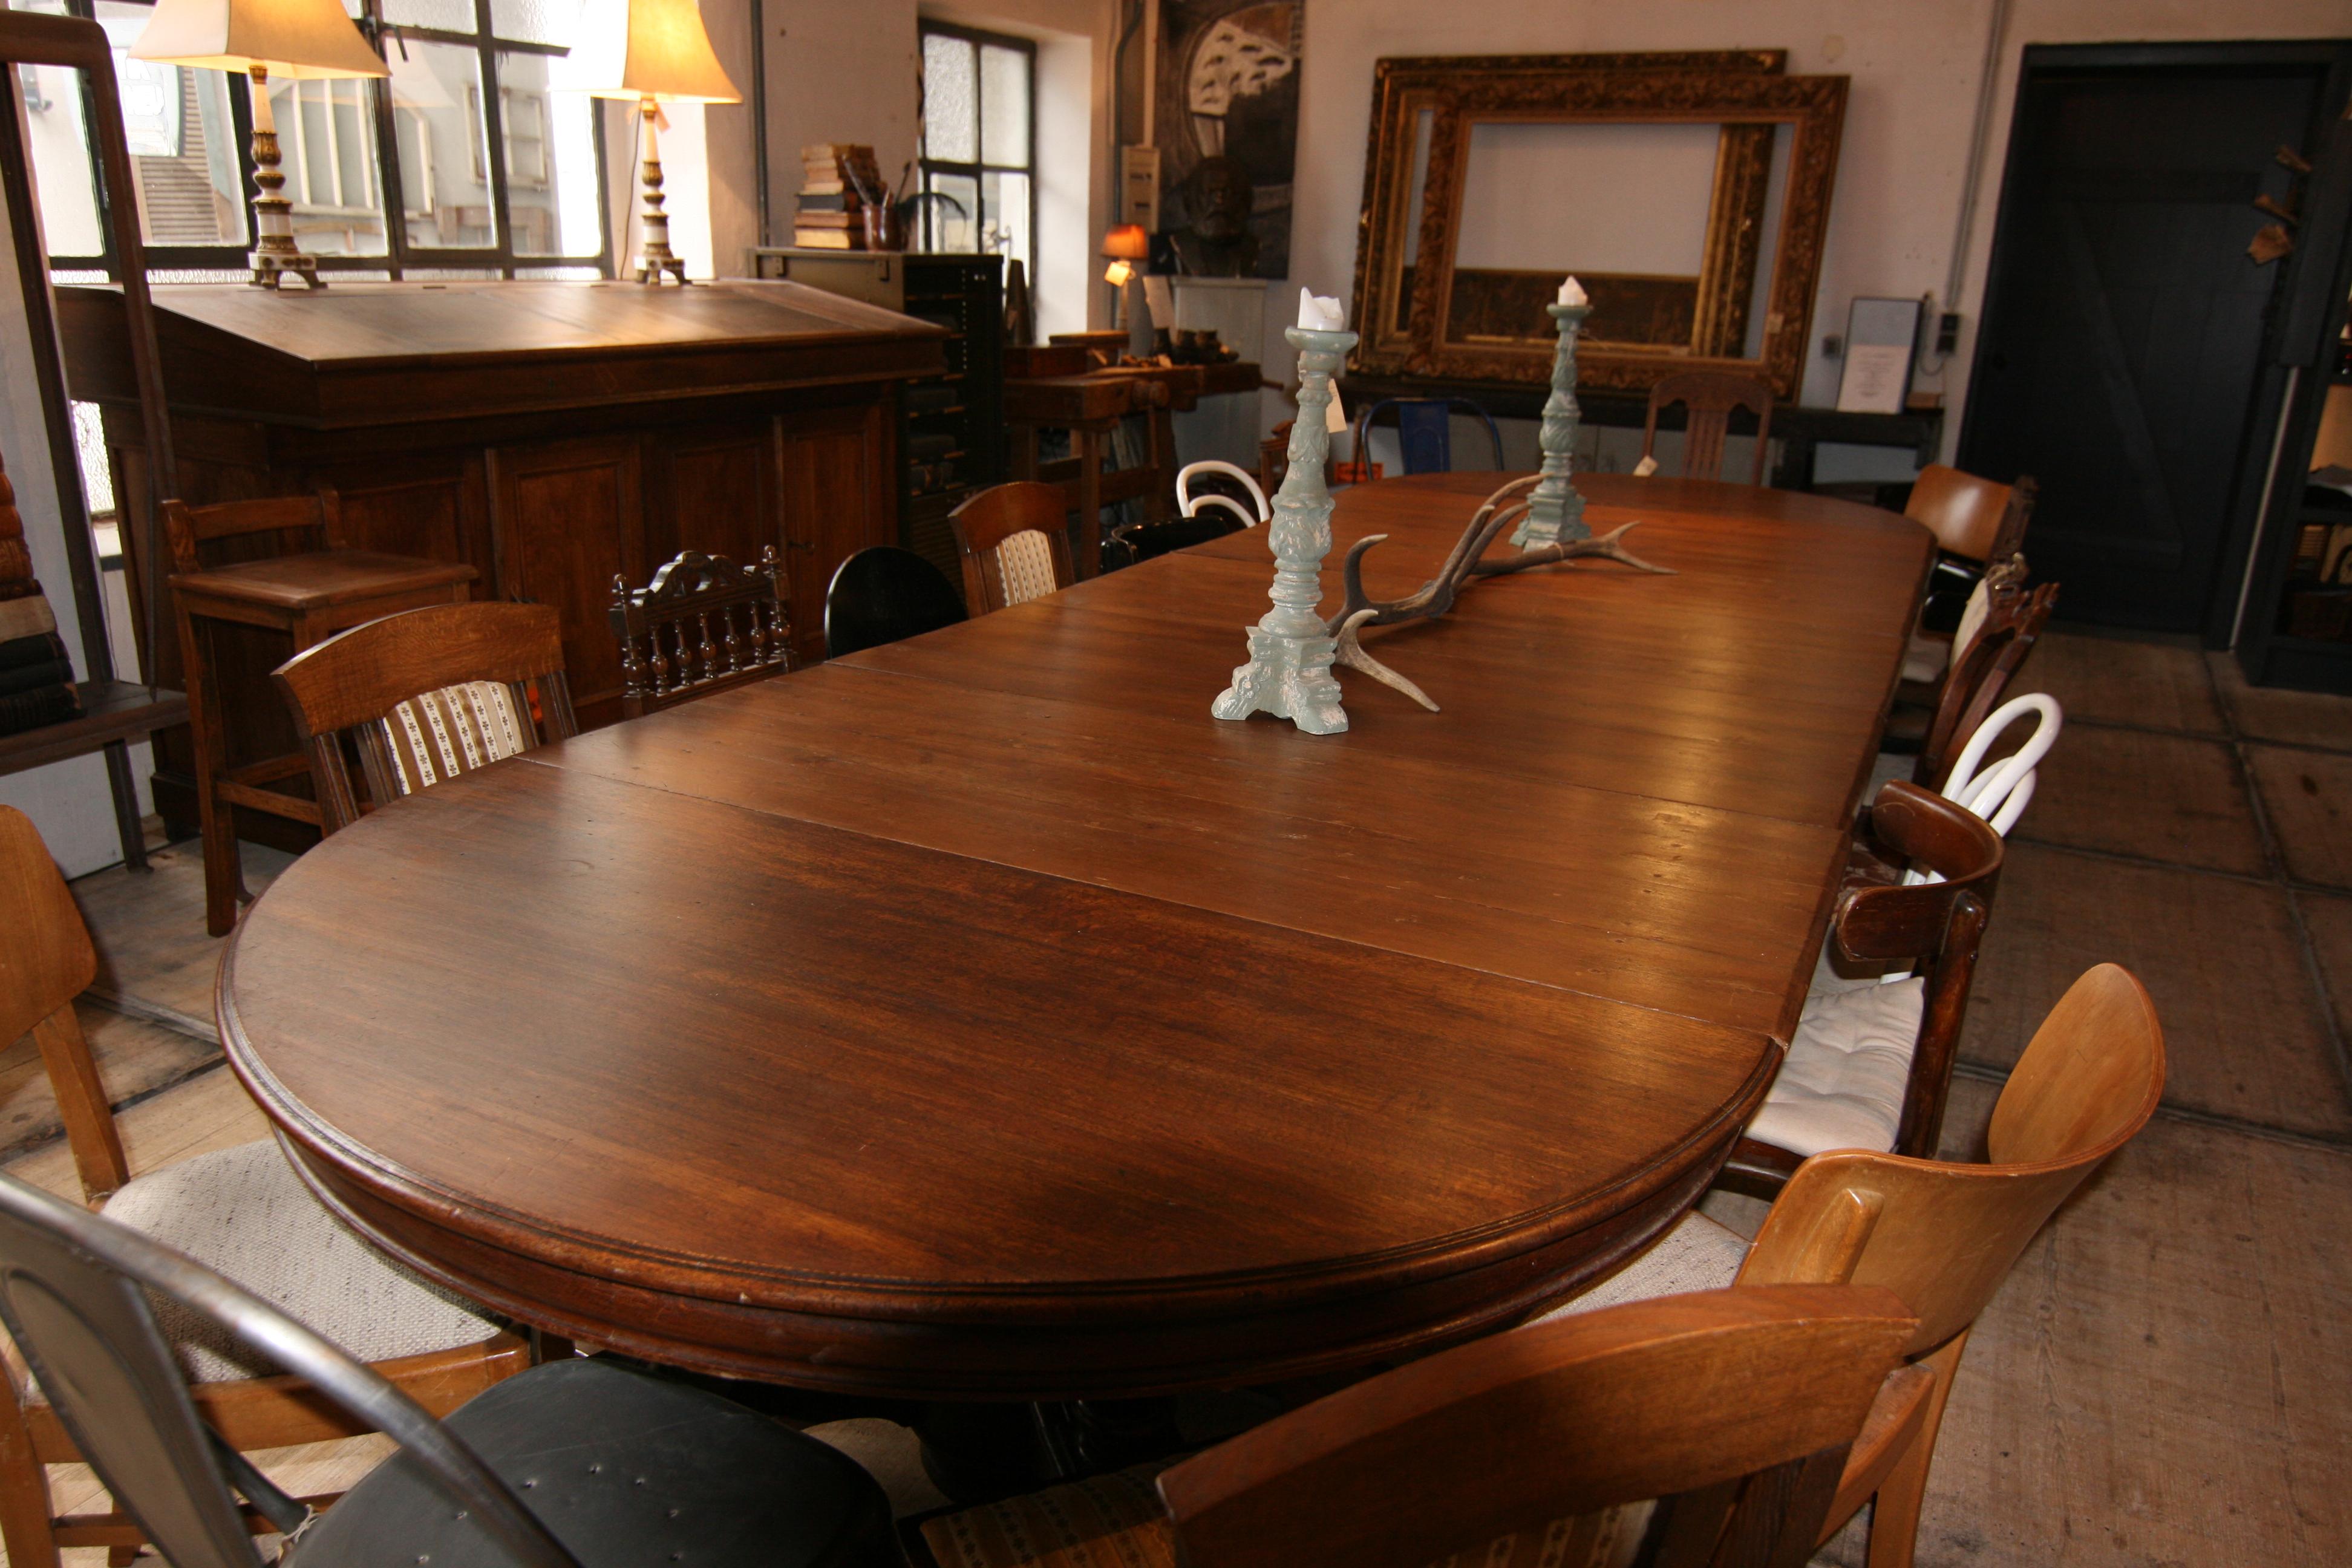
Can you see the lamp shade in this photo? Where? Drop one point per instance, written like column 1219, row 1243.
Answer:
column 644, row 48
column 291, row 39
column 1128, row 242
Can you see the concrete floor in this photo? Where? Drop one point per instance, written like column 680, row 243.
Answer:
column 2166, row 1378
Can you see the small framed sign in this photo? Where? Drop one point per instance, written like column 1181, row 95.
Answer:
column 1882, row 338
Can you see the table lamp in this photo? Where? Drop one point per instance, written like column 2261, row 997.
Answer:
column 295, row 39
column 657, row 52
column 1126, row 246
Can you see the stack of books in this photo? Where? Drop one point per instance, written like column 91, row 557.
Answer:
column 35, row 675
column 832, row 214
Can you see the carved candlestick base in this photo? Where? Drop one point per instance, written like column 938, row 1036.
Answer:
column 1555, row 511
column 1289, row 670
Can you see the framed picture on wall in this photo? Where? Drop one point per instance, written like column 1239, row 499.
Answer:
column 1882, row 342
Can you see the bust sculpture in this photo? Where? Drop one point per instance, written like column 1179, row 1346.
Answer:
column 1217, row 242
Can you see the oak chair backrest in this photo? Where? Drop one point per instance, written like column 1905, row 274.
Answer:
column 701, row 626
column 1014, row 544
column 1943, row 1236
column 46, row 960
column 300, row 523
column 1710, row 395
column 427, row 694
column 1733, row 1409
column 1982, row 672
column 1981, row 520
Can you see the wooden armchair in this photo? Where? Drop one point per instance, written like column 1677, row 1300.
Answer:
column 1710, row 395
column 425, row 696
column 242, row 1210
column 1708, row 1430
column 1979, row 678
column 1871, row 1062
column 666, row 630
column 1014, row 541
column 1942, row 1235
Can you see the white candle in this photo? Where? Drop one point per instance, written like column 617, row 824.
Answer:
column 1318, row 313
column 1572, row 292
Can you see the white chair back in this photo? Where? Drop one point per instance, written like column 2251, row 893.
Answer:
column 1191, row 507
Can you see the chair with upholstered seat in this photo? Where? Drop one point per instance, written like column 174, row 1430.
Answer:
column 620, row 1465
column 701, row 626
column 1014, row 544
column 425, row 696
column 1871, row 1060
column 242, row 1210
column 1708, row 397
column 1710, row 1429
column 886, row 594
column 1940, row 1235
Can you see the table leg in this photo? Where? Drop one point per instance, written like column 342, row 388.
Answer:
column 1160, row 501
column 1087, row 549
column 215, row 818
column 1024, row 451
column 126, row 805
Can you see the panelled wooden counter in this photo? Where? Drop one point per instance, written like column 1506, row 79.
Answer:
column 552, row 434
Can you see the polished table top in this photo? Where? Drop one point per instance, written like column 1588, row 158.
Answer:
column 976, row 1016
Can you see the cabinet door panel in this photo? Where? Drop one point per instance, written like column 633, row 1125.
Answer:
column 713, row 493
column 569, row 518
column 836, row 502
column 438, row 516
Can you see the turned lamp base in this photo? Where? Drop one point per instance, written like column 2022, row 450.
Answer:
column 655, row 260
column 275, row 256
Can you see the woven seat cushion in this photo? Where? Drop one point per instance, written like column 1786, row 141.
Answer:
column 1025, row 561
column 1116, row 1522
column 1697, row 1254
column 245, row 1213
column 1841, row 1086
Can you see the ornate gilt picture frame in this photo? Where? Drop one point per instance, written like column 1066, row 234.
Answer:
column 1421, row 316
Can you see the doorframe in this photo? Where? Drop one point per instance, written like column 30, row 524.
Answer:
column 2267, row 405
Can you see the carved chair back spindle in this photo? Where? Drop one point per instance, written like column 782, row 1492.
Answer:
column 426, row 695
column 1014, row 544
column 1710, row 395
column 701, row 626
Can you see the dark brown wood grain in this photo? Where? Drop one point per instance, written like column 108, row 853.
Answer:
column 976, row 1016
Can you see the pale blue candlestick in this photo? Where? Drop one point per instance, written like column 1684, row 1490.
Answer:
column 1289, row 670
column 1555, row 508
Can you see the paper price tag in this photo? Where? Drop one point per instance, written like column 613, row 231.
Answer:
column 1335, row 417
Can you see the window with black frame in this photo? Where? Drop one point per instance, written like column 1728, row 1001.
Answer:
column 388, row 178
column 979, row 143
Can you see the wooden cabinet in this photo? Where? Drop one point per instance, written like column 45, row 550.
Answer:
column 551, row 434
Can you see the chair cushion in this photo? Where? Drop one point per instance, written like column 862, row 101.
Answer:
column 437, row 735
column 624, row 1467
column 1025, row 561
column 245, row 1213
column 1697, row 1254
column 1927, row 658
column 1841, row 1086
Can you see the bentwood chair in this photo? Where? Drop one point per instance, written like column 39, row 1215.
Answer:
column 701, row 626
column 1013, row 544
column 886, row 594
column 242, row 1210
column 1424, row 429
column 425, row 696
column 1708, row 1430
column 1213, row 498
column 1942, row 1235
column 1709, row 397
column 276, row 571
column 1871, row 1061
column 619, row 1465
column 1980, row 679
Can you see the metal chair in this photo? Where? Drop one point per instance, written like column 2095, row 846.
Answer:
column 622, row 1466
column 886, row 594
column 1425, row 431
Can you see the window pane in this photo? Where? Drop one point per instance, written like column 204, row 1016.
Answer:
column 449, row 15
column 552, row 177
column 183, row 141
column 1004, row 105
column 951, row 99
column 326, row 145
column 1005, row 216
column 943, row 227
column 437, row 114
column 536, row 21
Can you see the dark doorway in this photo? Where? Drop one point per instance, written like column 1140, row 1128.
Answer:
column 2121, row 357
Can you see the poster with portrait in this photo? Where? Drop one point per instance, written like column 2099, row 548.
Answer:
column 1226, row 121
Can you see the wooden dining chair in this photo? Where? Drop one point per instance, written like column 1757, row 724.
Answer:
column 278, row 568
column 425, row 696
column 886, row 594
column 1974, row 518
column 1014, row 542
column 1980, row 677
column 1941, row 1235
column 1870, row 1063
column 242, row 1210
column 1709, row 397
column 581, row 1463
column 1708, row 1430
column 701, row 626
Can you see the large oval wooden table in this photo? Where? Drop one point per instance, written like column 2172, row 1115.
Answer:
column 976, row 1018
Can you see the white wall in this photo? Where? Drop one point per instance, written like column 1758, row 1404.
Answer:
column 1914, row 66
